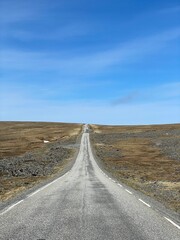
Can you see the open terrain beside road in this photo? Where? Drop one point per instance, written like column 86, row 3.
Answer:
column 32, row 152
column 146, row 158
column 85, row 204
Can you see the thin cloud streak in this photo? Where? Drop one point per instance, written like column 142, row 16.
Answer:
column 163, row 92
column 25, row 104
column 65, row 32
column 166, row 112
column 127, row 53
column 127, row 99
column 18, row 12
column 169, row 91
column 171, row 10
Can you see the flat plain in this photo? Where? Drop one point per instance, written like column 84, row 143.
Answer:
column 31, row 152
column 146, row 158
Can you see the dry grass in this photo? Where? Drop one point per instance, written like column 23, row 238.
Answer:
column 18, row 138
column 136, row 155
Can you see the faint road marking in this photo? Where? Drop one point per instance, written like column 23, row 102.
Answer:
column 144, row 202
column 128, row 191
column 172, row 222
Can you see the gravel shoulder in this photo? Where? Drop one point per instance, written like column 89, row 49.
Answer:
column 146, row 158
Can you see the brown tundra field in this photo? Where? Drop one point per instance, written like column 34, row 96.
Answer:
column 146, row 158
column 25, row 159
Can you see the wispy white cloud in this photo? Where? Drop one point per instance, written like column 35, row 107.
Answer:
column 93, row 112
column 22, row 103
column 64, row 32
column 14, row 15
column 169, row 91
column 19, row 10
column 18, row 90
column 125, row 53
column 170, row 10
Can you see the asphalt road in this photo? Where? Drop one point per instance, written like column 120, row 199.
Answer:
column 85, row 204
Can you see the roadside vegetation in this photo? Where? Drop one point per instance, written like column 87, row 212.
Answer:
column 31, row 152
column 146, row 158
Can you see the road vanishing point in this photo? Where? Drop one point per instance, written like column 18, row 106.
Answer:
column 85, row 204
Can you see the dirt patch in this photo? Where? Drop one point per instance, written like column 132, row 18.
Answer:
column 145, row 157
column 26, row 160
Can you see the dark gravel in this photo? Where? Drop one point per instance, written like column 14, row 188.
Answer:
column 167, row 141
column 146, row 159
column 40, row 162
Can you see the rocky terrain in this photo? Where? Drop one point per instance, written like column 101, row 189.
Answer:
column 144, row 157
column 27, row 158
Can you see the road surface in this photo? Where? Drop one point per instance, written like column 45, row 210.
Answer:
column 85, row 204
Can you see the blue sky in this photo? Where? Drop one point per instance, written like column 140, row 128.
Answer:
column 106, row 62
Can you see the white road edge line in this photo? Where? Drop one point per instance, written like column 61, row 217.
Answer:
column 128, row 191
column 7, row 210
column 144, row 202
column 119, row 185
column 43, row 188
column 47, row 185
column 172, row 222
column 35, row 192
